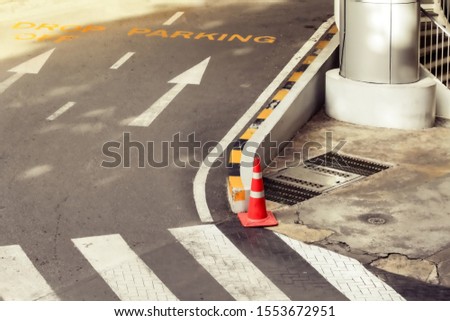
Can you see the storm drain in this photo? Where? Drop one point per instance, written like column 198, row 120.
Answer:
column 316, row 176
column 283, row 192
column 348, row 164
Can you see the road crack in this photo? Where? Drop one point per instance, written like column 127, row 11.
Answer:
column 57, row 234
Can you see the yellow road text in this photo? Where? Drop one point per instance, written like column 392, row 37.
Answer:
column 51, row 31
column 190, row 35
column 65, row 32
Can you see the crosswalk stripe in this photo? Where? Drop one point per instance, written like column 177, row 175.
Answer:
column 19, row 279
column 215, row 252
column 346, row 274
column 122, row 269
column 280, row 263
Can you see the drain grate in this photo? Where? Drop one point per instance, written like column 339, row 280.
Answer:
column 347, row 164
column 326, row 170
column 301, row 182
column 313, row 177
column 318, row 175
column 285, row 193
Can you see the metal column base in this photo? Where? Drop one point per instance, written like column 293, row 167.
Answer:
column 405, row 106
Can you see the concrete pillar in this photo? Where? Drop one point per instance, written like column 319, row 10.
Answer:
column 380, row 41
column 337, row 9
column 378, row 82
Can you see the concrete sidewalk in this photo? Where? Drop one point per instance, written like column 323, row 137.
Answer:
column 410, row 201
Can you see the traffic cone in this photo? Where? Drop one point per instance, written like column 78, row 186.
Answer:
column 257, row 215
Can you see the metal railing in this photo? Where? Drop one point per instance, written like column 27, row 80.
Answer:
column 435, row 47
column 443, row 7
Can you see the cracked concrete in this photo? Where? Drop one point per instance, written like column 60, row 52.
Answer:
column 422, row 270
column 289, row 224
column 442, row 260
column 412, row 197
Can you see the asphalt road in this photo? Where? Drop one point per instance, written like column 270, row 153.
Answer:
column 53, row 188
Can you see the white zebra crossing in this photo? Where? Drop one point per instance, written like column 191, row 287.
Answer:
column 19, row 279
column 347, row 275
column 231, row 269
column 131, row 279
column 127, row 275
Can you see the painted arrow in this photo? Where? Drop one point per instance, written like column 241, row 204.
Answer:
column 32, row 66
column 192, row 76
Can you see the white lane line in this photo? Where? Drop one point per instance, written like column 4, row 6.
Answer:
column 122, row 60
column 19, row 279
column 61, row 111
column 347, row 275
column 173, row 18
column 199, row 185
column 148, row 116
column 215, row 252
column 127, row 275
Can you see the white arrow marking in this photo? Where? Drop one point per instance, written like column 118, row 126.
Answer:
column 8, row 82
column 192, row 76
column 32, row 66
column 147, row 117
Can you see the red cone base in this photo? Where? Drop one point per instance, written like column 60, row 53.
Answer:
column 246, row 221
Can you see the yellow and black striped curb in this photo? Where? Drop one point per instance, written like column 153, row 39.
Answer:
column 235, row 185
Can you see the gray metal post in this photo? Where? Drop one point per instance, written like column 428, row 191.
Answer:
column 379, row 41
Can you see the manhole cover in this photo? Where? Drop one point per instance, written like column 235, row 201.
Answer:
column 376, row 220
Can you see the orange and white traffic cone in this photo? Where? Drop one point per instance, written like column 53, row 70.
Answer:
column 257, row 215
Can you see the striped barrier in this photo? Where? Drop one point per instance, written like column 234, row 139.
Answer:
column 237, row 194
